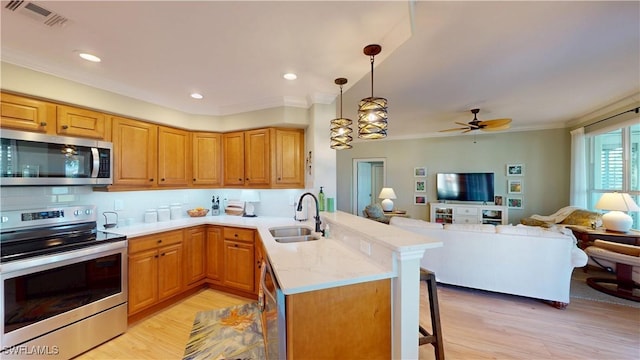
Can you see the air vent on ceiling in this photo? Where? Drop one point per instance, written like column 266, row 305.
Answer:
column 36, row 12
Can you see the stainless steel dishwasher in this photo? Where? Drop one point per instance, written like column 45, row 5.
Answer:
column 272, row 305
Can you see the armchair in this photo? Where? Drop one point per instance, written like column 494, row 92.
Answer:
column 621, row 259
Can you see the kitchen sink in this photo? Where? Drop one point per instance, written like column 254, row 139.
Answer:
column 287, row 231
column 301, row 238
column 289, row 234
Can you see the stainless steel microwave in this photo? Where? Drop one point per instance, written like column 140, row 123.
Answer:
column 37, row 159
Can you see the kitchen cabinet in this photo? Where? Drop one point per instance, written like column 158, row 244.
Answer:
column 195, row 241
column 155, row 269
column 289, row 158
column 22, row 113
column 174, row 157
column 72, row 121
column 363, row 311
column 247, row 158
column 207, row 159
column 215, row 255
column 239, row 268
column 135, row 146
column 147, row 155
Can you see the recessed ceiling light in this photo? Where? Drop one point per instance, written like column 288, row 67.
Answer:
column 89, row 57
column 290, row 76
column 197, row 96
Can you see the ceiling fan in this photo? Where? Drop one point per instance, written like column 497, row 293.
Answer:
column 486, row 125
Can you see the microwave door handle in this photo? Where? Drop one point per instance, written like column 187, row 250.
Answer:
column 95, row 156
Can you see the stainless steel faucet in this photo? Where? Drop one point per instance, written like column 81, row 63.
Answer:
column 317, row 217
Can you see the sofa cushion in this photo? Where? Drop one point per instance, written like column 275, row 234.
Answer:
column 484, row 228
column 402, row 221
column 528, row 230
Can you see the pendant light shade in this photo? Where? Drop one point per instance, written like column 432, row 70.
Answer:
column 372, row 111
column 341, row 127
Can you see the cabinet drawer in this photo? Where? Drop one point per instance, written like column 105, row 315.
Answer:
column 466, row 220
column 155, row 241
column 238, row 234
column 465, row 211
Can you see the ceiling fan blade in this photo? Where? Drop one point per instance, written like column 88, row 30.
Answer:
column 455, row 129
column 466, row 125
column 495, row 128
column 494, row 123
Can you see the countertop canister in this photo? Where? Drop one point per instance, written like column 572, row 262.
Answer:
column 164, row 213
column 176, row 211
column 150, row 216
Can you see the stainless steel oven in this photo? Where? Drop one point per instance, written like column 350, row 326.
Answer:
column 63, row 283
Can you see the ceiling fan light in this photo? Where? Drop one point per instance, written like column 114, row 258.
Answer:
column 372, row 118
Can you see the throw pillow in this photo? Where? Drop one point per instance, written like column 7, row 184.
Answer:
column 583, row 218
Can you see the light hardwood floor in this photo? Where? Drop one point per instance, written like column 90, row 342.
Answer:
column 475, row 325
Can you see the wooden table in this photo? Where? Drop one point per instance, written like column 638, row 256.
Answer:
column 400, row 213
column 587, row 235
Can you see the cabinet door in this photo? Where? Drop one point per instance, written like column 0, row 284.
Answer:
column 289, row 158
column 215, row 254
column 194, row 245
column 174, row 159
column 238, row 265
column 143, row 280
column 80, row 122
column 257, row 164
column 135, row 149
column 233, row 153
column 207, row 159
column 169, row 271
column 27, row 114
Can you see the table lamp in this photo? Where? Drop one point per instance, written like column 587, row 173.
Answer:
column 616, row 203
column 387, row 194
column 249, row 197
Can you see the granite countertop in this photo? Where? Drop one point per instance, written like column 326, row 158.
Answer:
column 303, row 266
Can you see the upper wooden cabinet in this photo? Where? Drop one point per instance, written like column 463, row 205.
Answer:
column 289, row 158
column 148, row 155
column 264, row 158
column 135, row 152
column 174, row 157
column 207, row 159
column 247, row 158
column 22, row 113
column 82, row 123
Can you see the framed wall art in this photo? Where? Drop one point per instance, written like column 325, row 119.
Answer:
column 420, row 185
column 419, row 200
column 514, row 202
column 420, row 171
column 514, row 186
column 515, row 170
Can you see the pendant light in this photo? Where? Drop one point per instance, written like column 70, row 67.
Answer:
column 372, row 111
column 340, row 127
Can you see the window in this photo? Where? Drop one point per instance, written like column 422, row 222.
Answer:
column 615, row 165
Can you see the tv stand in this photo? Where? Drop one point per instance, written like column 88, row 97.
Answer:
column 468, row 214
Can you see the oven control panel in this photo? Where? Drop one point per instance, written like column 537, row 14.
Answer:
column 32, row 218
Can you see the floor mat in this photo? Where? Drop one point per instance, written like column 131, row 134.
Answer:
column 230, row 333
column 580, row 289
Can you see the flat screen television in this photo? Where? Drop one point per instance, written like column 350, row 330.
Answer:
column 465, row 186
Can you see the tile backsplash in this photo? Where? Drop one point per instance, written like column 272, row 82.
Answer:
column 131, row 205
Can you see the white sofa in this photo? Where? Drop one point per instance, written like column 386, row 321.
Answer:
column 520, row 260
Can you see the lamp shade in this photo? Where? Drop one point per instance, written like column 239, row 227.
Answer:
column 616, row 203
column 387, row 193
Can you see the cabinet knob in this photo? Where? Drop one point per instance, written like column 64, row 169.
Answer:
column 151, row 179
column 160, row 241
column 163, row 254
column 235, row 245
column 155, row 256
column 43, row 123
column 162, row 179
column 236, row 235
column 194, row 180
column 247, row 179
column 239, row 179
column 279, row 179
column 65, row 127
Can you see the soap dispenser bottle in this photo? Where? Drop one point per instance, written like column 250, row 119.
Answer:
column 321, row 200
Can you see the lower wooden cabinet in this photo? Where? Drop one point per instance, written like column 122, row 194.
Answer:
column 239, row 253
column 215, row 255
column 155, row 269
column 195, row 264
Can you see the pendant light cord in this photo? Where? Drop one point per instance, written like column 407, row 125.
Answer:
column 340, row 101
column 371, row 76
